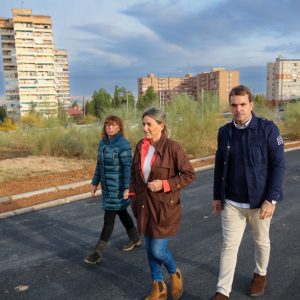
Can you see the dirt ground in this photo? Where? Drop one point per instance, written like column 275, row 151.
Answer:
column 20, row 173
column 19, row 168
column 29, row 173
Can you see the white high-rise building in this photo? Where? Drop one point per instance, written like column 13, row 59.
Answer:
column 35, row 73
column 283, row 79
column 61, row 72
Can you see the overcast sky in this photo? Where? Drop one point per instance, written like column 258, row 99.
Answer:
column 113, row 42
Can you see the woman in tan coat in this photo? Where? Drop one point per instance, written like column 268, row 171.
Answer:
column 160, row 168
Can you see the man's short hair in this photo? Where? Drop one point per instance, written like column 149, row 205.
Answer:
column 241, row 90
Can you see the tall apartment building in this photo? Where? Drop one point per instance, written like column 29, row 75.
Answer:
column 218, row 81
column 166, row 86
column 33, row 68
column 283, row 79
column 61, row 72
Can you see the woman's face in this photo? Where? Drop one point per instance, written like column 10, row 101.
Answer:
column 152, row 129
column 111, row 128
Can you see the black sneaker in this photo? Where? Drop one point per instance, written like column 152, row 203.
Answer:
column 93, row 259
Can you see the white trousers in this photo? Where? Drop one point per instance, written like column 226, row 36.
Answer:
column 234, row 221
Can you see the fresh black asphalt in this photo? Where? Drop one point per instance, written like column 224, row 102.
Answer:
column 41, row 253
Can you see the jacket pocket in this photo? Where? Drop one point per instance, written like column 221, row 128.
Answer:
column 162, row 172
column 258, row 155
column 170, row 212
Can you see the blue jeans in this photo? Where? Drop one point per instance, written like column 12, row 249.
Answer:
column 159, row 254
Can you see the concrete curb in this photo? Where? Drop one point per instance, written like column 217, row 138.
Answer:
column 47, row 204
column 47, row 190
column 85, row 195
column 201, row 158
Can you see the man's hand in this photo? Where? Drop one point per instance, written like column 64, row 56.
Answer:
column 155, row 185
column 217, row 207
column 93, row 190
column 126, row 194
column 266, row 210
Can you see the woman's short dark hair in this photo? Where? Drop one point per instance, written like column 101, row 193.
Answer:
column 158, row 115
column 241, row 90
column 111, row 119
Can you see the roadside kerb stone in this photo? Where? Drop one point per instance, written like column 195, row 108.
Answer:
column 47, row 190
column 202, row 158
column 4, row 199
column 73, row 185
column 34, row 193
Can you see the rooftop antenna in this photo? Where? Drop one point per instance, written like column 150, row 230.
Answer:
column 22, row 4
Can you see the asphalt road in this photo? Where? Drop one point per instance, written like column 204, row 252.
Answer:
column 41, row 253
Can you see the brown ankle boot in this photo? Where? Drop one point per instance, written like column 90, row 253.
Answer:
column 159, row 291
column 258, row 285
column 176, row 285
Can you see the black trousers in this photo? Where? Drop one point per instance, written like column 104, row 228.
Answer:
column 109, row 222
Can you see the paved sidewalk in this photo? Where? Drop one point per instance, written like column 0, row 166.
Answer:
column 42, row 253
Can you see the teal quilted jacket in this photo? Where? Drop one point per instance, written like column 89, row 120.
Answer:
column 113, row 171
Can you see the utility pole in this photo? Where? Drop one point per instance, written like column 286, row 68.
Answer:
column 159, row 99
column 134, row 109
column 127, row 103
column 202, row 94
column 83, row 104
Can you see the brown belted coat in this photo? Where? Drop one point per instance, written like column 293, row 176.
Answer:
column 158, row 214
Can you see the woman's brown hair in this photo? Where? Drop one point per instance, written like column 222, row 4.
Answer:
column 111, row 119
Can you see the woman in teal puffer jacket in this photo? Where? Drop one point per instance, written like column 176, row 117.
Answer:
column 113, row 171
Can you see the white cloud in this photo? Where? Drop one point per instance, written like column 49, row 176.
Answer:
column 119, row 41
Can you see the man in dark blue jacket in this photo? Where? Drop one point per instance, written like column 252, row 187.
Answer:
column 248, row 177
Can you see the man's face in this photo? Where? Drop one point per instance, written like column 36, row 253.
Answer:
column 241, row 108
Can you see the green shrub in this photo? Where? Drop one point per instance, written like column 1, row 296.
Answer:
column 32, row 120
column 194, row 124
column 291, row 121
column 7, row 125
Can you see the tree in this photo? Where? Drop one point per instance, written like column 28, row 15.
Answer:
column 119, row 94
column 101, row 102
column 89, row 108
column 3, row 113
column 260, row 99
column 130, row 98
column 75, row 104
column 148, row 99
column 140, row 103
column 121, row 97
column 61, row 114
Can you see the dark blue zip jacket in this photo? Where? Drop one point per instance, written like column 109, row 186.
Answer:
column 113, row 171
column 263, row 160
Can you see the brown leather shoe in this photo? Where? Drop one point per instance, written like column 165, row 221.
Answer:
column 258, row 285
column 176, row 285
column 159, row 291
column 219, row 296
